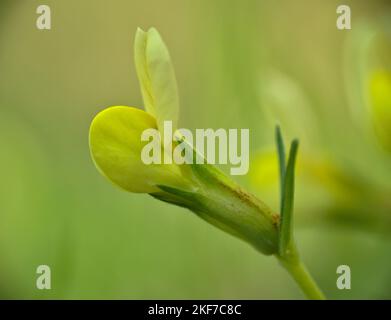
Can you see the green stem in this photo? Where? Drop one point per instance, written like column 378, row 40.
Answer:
column 300, row 274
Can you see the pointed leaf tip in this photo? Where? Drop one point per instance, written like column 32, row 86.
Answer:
column 286, row 225
column 281, row 161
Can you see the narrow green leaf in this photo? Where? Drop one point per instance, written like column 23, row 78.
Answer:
column 286, row 224
column 281, row 162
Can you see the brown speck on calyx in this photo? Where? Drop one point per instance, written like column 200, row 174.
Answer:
column 276, row 219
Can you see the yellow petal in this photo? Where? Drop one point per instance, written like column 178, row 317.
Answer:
column 156, row 77
column 115, row 144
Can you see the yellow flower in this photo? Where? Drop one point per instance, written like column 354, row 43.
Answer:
column 116, row 147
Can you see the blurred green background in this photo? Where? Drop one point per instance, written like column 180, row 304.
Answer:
column 239, row 64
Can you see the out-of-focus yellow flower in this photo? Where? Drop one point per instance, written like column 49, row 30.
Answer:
column 380, row 101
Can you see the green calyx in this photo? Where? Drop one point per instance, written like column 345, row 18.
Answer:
column 228, row 207
column 220, row 201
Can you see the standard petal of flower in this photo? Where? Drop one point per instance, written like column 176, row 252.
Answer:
column 156, row 76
